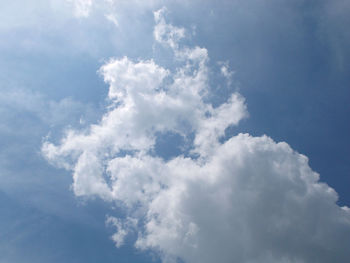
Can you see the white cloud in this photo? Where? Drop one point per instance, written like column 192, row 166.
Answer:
column 82, row 7
column 113, row 19
column 254, row 201
column 248, row 199
column 166, row 33
column 123, row 228
column 226, row 72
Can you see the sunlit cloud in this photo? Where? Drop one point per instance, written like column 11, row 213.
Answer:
column 246, row 199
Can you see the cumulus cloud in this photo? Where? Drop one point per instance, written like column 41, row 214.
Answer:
column 247, row 199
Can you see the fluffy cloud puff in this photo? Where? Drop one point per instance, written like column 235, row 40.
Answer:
column 247, row 199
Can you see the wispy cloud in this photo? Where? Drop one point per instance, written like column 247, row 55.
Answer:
column 112, row 18
column 82, row 8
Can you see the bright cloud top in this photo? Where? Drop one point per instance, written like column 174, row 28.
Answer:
column 247, row 199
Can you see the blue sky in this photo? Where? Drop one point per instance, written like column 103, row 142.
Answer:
column 62, row 64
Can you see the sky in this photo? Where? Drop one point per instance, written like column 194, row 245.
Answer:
column 174, row 131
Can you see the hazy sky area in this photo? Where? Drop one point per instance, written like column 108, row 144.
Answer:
column 174, row 131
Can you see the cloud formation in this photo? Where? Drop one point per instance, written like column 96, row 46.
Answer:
column 247, row 199
column 83, row 8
